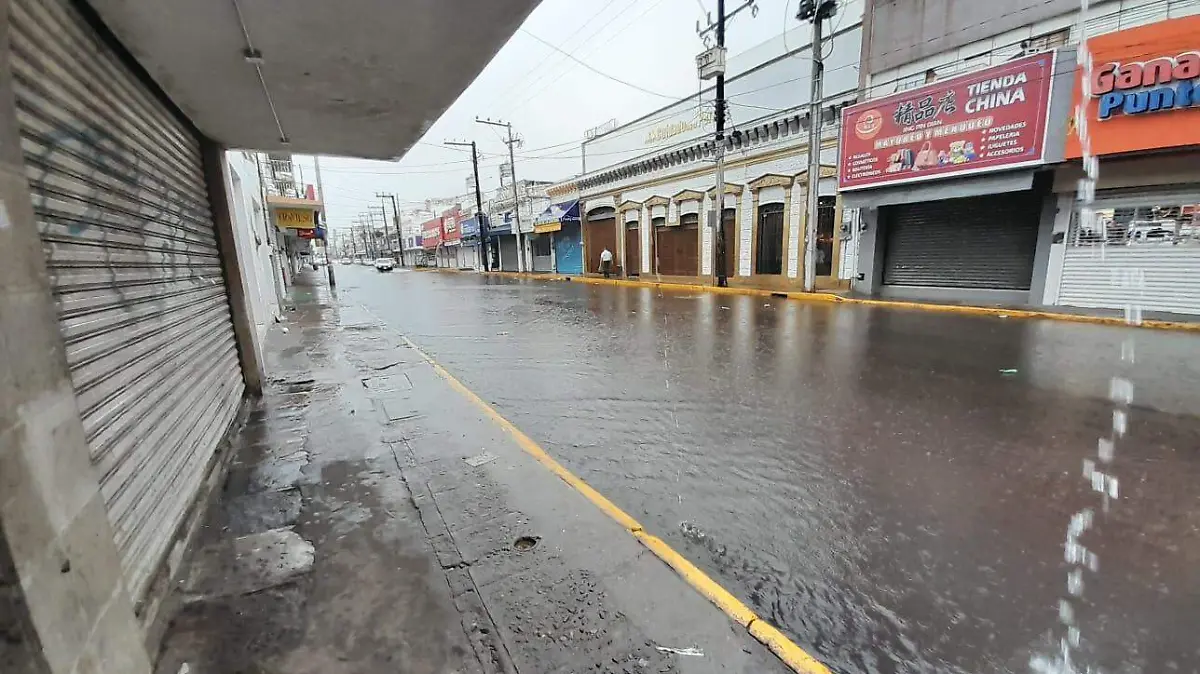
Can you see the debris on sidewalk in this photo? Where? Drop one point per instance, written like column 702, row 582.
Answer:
column 479, row 459
column 1008, row 372
column 249, row 564
column 694, row 652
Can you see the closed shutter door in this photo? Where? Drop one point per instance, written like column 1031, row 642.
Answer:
column 633, row 246
column 508, row 253
column 977, row 242
column 599, row 234
column 119, row 196
column 678, row 250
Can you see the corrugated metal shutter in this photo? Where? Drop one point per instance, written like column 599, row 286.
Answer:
column 1170, row 277
column 120, row 199
column 976, row 242
column 508, row 253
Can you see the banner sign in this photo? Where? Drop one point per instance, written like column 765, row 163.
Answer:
column 983, row 121
column 318, row 233
column 451, row 234
column 295, row 218
column 1145, row 89
column 431, row 233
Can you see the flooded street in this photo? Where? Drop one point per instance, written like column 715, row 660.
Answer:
column 872, row 481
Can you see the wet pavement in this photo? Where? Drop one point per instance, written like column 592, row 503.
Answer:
column 373, row 521
column 870, row 480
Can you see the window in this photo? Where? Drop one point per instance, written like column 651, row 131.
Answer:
column 1169, row 223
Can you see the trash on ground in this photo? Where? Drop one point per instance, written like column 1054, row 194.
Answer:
column 501, row 334
column 285, row 330
column 1008, row 372
column 480, row 459
column 681, row 651
column 386, row 366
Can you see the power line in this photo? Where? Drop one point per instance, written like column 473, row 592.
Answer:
column 598, row 72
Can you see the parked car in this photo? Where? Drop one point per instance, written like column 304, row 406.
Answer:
column 385, row 264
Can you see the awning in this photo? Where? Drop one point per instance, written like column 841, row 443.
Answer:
column 936, row 190
column 553, row 218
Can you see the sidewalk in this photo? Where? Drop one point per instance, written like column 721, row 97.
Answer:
column 375, row 520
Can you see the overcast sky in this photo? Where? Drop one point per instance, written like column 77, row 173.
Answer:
column 551, row 99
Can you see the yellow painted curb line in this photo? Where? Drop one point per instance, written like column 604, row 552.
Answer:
column 792, row 655
column 832, row 298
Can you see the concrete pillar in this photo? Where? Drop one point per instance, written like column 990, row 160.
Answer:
column 61, row 582
column 234, row 268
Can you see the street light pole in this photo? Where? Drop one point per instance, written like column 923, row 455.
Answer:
column 815, row 11
column 399, row 230
column 711, row 63
column 483, row 224
column 387, row 234
column 512, row 177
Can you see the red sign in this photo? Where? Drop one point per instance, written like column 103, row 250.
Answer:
column 431, row 233
column 984, row 121
column 1145, row 89
column 452, row 233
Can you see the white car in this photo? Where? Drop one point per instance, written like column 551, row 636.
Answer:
column 384, row 264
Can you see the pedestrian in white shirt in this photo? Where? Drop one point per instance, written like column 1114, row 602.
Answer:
column 606, row 262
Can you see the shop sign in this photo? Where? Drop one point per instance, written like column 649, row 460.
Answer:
column 295, row 218
column 431, row 233
column 451, row 234
column 1145, row 89
column 984, row 121
column 318, row 233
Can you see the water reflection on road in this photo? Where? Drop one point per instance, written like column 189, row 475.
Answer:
column 867, row 479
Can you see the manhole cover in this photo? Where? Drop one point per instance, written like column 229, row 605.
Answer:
column 525, row 543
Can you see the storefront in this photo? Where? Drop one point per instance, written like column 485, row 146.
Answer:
column 600, row 234
column 470, row 252
column 630, row 257
column 505, row 241
column 431, row 239
column 557, row 239
column 1142, row 248
column 951, row 184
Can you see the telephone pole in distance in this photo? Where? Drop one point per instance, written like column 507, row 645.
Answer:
column 483, row 223
column 512, row 177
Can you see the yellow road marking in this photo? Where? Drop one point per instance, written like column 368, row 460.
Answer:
column 792, row 655
column 833, row 298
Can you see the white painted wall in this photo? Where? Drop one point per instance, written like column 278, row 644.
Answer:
column 255, row 242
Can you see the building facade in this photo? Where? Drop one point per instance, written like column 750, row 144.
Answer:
column 648, row 187
column 979, row 204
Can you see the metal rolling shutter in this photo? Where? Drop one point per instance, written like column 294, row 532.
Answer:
column 120, row 200
column 508, row 253
column 976, row 242
column 633, row 247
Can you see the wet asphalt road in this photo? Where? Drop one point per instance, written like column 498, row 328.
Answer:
column 867, row 479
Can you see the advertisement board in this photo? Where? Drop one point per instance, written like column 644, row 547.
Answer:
column 431, row 233
column 451, row 234
column 983, row 121
column 295, row 218
column 1145, row 89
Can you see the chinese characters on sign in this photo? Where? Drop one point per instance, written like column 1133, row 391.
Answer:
column 992, row 119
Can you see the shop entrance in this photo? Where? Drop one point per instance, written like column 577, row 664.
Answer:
column 826, row 215
column 633, row 245
column 768, row 257
column 985, row 242
column 678, row 247
column 599, row 233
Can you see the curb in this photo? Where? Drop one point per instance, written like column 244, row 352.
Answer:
column 831, row 298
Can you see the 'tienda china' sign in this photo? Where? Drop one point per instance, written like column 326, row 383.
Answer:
column 1145, row 89
column 982, row 121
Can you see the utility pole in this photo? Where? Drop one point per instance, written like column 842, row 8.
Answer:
column 712, row 63
column 387, row 235
column 815, row 11
column 328, row 231
column 399, row 231
column 512, row 177
column 483, row 223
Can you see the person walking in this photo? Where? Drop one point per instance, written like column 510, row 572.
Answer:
column 606, row 262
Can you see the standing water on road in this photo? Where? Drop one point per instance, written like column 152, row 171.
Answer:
column 866, row 479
